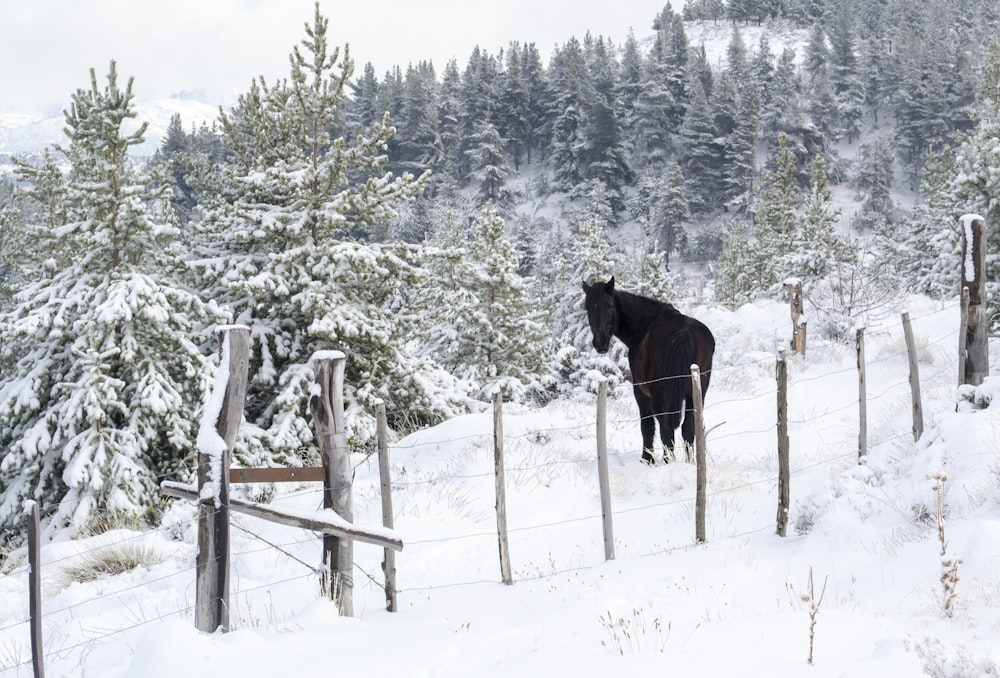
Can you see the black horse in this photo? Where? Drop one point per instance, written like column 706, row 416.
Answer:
column 662, row 345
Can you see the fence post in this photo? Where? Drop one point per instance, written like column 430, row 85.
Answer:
column 794, row 288
column 977, row 366
column 35, row 587
column 862, row 398
column 963, row 336
column 602, row 468
column 389, row 557
column 700, row 456
column 215, row 443
column 500, row 488
column 327, row 408
column 783, row 465
column 911, row 351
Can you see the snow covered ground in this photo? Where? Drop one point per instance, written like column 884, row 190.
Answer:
column 738, row 605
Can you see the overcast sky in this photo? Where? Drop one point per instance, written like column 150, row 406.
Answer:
column 212, row 49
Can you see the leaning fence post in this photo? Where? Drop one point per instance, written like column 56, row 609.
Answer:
column 911, row 351
column 500, row 488
column 35, row 587
column 783, row 465
column 700, row 456
column 862, row 397
column 216, row 436
column 602, row 469
column 389, row 557
column 327, row 406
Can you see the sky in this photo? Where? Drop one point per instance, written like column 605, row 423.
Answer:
column 212, row 50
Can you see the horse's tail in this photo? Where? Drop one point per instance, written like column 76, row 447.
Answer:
column 679, row 358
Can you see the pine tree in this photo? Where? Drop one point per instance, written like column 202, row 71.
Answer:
column 514, row 106
column 816, row 249
column 568, row 79
column 653, row 126
column 286, row 255
column 488, row 163
column 874, row 180
column 487, row 330
column 102, row 372
column 603, row 154
column 741, row 267
column 701, row 156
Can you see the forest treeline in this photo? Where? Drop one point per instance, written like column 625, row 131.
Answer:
column 385, row 217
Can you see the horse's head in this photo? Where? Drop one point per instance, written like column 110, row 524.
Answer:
column 601, row 312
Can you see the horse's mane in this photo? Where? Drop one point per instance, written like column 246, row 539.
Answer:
column 640, row 314
column 645, row 306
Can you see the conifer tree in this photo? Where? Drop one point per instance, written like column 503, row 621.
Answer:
column 102, row 368
column 286, row 256
column 701, row 156
column 488, row 164
column 487, row 330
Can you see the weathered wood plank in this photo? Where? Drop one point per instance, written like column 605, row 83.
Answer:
column 326, row 522
column 303, row 474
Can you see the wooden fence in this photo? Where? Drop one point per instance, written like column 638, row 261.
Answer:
column 214, row 476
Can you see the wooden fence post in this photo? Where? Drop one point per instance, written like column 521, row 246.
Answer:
column 794, row 288
column 389, row 557
column 602, row 469
column 977, row 366
column 700, row 457
column 220, row 423
column 783, row 465
column 963, row 336
column 501, row 493
column 327, row 408
column 862, row 398
column 911, row 351
column 35, row 587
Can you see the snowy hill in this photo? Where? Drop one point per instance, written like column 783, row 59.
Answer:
column 739, row 605
column 21, row 134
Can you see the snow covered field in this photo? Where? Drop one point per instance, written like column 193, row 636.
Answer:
column 738, row 605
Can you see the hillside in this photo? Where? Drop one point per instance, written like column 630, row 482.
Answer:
column 867, row 535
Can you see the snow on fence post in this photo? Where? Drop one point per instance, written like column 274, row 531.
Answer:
column 700, row 456
column 794, row 288
column 783, row 465
column 216, row 436
column 389, row 557
column 602, row 468
column 501, row 493
column 35, row 588
column 326, row 402
column 976, row 354
column 862, row 398
column 911, row 351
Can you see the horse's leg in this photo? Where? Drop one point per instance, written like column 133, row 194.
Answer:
column 687, row 433
column 646, row 423
column 669, row 417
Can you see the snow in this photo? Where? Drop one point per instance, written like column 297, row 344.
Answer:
column 970, row 253
column 209, row 441
column 738, row 605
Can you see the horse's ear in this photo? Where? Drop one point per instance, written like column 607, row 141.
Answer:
column 586, row 287
column 609, row 286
